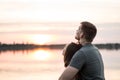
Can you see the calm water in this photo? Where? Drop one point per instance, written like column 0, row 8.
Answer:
column 47, row 64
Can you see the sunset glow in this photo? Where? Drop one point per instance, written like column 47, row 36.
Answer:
column 55, row 21
column 41, row 39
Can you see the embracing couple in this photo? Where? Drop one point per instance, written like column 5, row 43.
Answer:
column 83, row 60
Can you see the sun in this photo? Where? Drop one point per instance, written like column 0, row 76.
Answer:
column 41, row 39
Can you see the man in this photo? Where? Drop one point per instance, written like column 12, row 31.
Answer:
column 87, row 60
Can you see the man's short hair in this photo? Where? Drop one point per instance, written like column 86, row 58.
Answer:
column 89, row 30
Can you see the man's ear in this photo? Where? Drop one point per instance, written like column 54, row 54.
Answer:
column 81, row 35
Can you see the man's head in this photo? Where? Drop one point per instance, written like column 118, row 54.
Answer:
column 86, row 31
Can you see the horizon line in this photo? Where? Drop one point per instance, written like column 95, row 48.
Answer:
column 27, row 43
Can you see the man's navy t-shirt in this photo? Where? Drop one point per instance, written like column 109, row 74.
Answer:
column 89, row 62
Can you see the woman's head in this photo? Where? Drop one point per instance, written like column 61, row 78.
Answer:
column 68, row 52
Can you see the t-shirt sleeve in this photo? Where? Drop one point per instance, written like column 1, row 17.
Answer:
column 78, row 60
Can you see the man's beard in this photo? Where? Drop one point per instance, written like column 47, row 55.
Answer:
column 77, row 38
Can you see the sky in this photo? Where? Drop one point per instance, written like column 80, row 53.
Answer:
column 23, row 19
column 59, row 10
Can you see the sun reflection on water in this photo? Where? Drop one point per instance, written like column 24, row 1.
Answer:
column 42, row 55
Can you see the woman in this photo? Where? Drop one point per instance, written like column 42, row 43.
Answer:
column 68, row 52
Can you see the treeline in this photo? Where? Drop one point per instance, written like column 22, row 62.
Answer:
column 28, row 46
column 17, row 46
column 52, row 46
column 108, row 46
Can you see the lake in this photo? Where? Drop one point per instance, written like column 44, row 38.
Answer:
column 47, row 64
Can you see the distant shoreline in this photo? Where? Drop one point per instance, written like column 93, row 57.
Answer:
column 4, row 47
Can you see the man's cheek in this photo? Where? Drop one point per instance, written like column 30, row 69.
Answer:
column 77, row 37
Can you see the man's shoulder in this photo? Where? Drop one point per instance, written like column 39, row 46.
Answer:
column 89, row 47
column 85, row 50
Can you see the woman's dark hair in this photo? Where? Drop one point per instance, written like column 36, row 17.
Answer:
column 71, row 49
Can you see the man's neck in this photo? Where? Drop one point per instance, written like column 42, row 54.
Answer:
column 84, row 42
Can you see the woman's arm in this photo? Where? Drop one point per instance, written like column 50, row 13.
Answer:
column 69, row 73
